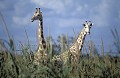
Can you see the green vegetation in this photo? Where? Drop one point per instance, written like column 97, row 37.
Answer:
column 90, row 65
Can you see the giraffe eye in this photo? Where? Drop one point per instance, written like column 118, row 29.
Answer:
column 90, row 24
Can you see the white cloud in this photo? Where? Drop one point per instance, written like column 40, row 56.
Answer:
column 106, row 12
column 21, row 21
column 72, row 22
column 22, row 13
column 119, row 15
column 5, row 5
column 56, row 5
column 80, row 11
column 2, row 6
column 62, row 7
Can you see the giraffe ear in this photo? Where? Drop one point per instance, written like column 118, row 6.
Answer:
column 91, row 24
column 83, row 24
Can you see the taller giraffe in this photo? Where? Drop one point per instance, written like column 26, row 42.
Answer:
column 75, row 48
column 42, row 44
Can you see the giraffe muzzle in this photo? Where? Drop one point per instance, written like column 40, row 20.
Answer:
column 32, row 19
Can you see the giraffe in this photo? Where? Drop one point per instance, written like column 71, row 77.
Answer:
column 78, row 44
column 42, row 44
column 75, row 49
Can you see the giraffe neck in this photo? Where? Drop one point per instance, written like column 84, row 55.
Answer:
column 80, row 39
column 78, row 44
column 74, row 49
column 42, row 44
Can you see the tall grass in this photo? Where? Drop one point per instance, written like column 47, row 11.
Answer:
column 21, row 65
column 116, row 39
column 10, row 40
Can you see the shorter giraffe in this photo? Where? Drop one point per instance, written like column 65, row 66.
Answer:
column 40, row 54
column 74, row 51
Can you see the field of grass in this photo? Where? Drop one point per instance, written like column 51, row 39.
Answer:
column 90, row 65
column 13, row 65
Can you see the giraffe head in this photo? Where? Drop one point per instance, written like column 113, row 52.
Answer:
column 87, row 25
column 37, row 15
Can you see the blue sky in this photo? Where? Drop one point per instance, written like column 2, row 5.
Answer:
column 61, row 17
